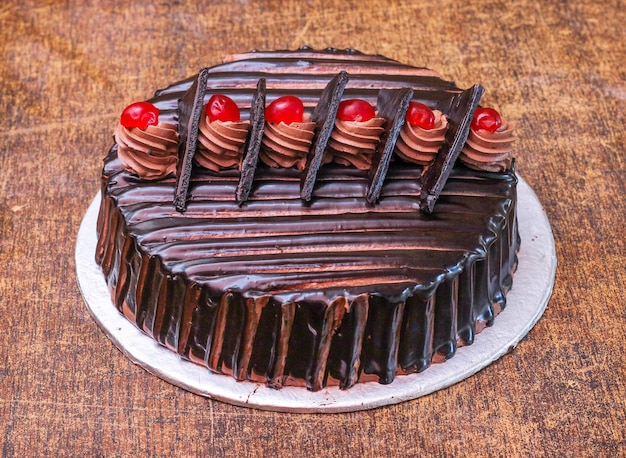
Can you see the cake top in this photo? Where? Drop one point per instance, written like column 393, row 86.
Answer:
column 361, row 109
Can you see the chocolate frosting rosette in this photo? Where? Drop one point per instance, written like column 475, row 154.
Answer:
column 287, row 135
column 146, row 147
column 221, row 135
column 421, row 135
column 489, row 144
column 355, row 136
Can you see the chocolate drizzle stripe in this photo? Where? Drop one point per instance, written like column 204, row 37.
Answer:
column 320, row 67
column 299, row 242
column 324, row 207
column 317, row 81
column 307, row 265
column 307, row 85
column 278, row 228
column 393, row 229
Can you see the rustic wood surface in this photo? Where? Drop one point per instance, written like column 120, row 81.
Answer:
column 68, row 68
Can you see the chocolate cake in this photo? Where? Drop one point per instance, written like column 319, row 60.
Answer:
column 353, row 261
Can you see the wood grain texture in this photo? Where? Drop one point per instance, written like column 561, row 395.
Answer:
column 68, row 68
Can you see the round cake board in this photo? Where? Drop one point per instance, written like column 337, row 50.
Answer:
column 526, row 302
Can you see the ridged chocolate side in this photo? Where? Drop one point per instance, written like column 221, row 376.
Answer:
column 333, row 292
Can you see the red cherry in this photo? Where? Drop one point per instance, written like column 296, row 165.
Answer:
column 487, row 119
column 355, row 110
column 140, row 114
column 420, row 115
column 222, row 108
column 287, row 109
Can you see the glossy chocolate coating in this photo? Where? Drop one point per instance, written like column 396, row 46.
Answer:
column 334, row 291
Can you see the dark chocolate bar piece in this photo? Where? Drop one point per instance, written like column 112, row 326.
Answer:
column 189, row 113
column 253, row 145
column 392, row 105
column 460, row 111
column 324, row 117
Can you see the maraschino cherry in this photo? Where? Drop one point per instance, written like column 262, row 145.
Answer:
column 222, row 108
column 141, row 115
column 486, row 119
column 355, row 110
column 419, row 115
column 287, row 109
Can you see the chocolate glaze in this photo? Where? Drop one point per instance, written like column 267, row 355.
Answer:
column 333, row 292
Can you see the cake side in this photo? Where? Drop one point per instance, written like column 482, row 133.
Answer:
column 288, row 297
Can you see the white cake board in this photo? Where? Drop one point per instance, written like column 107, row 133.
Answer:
column 526, row 302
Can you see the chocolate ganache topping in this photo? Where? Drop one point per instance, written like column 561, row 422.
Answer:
column 331, row 291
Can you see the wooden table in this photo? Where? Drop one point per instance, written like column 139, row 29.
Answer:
column 557, row 70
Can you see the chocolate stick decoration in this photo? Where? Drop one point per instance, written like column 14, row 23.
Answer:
column 460, row 111
column 189, row 113
column 324, row 118
column 392, row 105
column 253, row 145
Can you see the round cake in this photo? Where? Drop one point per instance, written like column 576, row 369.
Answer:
column 310, row 218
